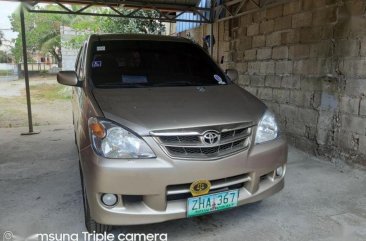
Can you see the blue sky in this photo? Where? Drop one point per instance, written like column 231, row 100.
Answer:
column 6, row 9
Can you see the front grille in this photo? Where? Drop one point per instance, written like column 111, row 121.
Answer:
column 195, row 145
column 180, row 139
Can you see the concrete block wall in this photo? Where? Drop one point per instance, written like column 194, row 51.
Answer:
column 306, row 59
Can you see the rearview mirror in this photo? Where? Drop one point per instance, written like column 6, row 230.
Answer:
column 232, row 74
column 67, row 78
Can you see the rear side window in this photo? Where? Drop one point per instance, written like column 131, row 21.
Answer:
column 126, row 63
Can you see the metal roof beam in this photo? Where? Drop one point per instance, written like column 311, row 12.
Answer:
column 82, row 11
column 163, row 7
column 122, row 3
column 234, row 8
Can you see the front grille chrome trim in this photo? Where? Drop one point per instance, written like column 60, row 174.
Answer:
column 158, row 133
column 200, row 144
column 189, row 144
column 226, row 182
column 201, row 130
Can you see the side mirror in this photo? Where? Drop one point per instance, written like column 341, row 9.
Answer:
column 68, row 78
column 232, row 74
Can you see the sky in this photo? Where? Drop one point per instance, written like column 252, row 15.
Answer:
column 6, row 9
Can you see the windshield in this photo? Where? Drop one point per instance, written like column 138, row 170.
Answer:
column 127, row 63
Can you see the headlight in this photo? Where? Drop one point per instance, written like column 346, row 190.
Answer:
column 113, row 141
column 267, row 129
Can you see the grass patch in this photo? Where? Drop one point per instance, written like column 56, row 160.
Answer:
column 6, row 72
column 12, row 114
column 50, row 104
column 51, row 92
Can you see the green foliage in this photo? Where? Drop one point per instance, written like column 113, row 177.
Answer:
column 96, row 24
column 43, row 30
column 50, row 92
column 4, row 57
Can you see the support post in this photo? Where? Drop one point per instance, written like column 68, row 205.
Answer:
column 211, row 39
column 26, row 74
column 212, row 20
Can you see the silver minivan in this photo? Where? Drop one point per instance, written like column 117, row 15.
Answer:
column 163, row 133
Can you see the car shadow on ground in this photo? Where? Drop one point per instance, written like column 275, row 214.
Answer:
column 192, row 228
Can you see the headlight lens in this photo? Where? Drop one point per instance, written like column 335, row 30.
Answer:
column 267, row 129
column 113, row 141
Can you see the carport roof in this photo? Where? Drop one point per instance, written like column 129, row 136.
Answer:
column 168, row 10
column 158, row 4
column 177, row 2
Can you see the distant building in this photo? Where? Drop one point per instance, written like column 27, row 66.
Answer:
column 68, row 54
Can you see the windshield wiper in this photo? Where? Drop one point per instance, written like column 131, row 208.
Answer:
column 123, row 85
column 175, row 83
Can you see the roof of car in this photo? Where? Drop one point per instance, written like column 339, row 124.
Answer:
column 151, row 37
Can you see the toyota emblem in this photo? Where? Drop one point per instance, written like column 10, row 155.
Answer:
column 211, row 138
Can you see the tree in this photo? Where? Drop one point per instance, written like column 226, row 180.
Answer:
column 4, row 57
column 42, row 32
column 97, row 24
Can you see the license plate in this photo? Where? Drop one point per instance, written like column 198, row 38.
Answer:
column 212, row 202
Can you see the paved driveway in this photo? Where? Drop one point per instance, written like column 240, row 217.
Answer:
column 40, row 193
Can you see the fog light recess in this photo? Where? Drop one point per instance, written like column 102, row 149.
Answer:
column 109, row 199
column 279, row 171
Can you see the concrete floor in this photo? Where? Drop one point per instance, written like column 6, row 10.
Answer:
column 40, row 193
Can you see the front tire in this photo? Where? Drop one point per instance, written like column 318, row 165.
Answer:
column 90, row 224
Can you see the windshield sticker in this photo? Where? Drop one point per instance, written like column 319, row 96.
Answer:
column 134, row 79
column 97, row 64
column 218, row 79
column 100, row 48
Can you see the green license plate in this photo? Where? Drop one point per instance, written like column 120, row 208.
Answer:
column 212, row 202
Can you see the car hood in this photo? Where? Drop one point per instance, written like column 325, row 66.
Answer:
column 162, row 108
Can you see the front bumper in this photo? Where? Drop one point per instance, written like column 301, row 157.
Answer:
column 155, row 190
